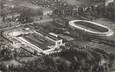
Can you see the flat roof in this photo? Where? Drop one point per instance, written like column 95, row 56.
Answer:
column 33, row 38
column 50, row 36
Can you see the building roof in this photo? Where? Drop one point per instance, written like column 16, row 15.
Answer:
column 53, row 37
column 84, row 3
column 50, row 35
column 37, row 42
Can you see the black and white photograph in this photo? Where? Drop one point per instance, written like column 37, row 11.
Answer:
column 57, row 35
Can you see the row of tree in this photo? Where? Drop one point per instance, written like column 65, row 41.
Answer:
column 73, row 60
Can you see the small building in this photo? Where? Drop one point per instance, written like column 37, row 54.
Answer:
column 108, row 1
column 57, row 41
column 15, row 43
column 47, row 12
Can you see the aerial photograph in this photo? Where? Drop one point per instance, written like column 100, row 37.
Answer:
column 57, row 35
